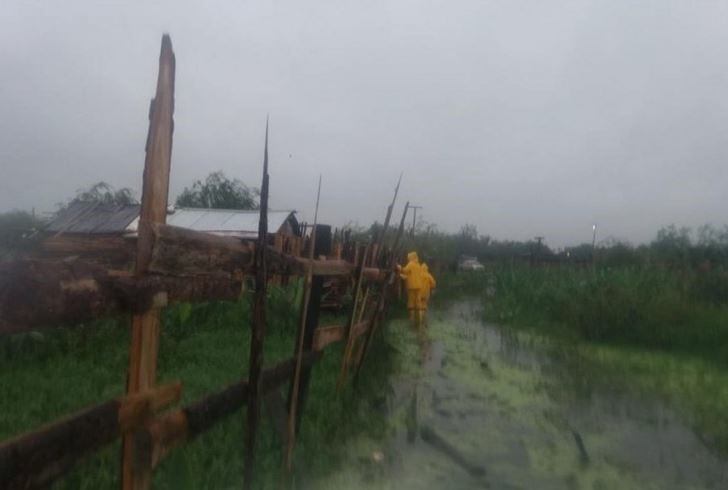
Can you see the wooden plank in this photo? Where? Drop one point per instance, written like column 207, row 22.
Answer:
column 175, row 428
column 288, row 264
column 328, row 335
column 37, row 458
column 135, row 408
column 331, row 334
column 359, row 329
column 109, row 250
column 259, row 324
column 322, row 247
column 155, row 189
column 291, row 419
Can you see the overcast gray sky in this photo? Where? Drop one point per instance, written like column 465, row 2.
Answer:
column 523, row 118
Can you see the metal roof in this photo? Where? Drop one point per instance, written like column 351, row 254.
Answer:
column 233, row 222
column 93, row 218
column 97, row 218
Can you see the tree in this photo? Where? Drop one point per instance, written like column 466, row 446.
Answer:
column 219, row 192
column 467, row 241
column 672, row 244
column 101, row 193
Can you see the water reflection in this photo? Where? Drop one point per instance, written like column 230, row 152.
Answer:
column 492, row 408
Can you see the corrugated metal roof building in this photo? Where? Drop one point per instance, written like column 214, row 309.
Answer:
column 93, row 218
column 228, row 222
column 96, row 219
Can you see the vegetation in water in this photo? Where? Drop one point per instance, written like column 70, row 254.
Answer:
column 647, row 329
column 652, row 307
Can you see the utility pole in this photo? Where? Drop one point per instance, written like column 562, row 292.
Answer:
column 414, row 218
column 594, row 240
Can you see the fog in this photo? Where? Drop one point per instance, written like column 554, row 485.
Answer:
column 522, row 118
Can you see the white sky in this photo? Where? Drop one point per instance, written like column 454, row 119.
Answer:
column 523, row 118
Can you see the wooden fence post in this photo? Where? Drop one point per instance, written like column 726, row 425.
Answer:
column 136, row 466
column 322, row 247
column 259, row 324
column 350, row 339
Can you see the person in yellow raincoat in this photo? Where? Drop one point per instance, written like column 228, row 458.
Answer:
column 412, row 276
column 428, row 284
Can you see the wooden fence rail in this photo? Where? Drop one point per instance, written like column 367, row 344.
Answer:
column 56, row 287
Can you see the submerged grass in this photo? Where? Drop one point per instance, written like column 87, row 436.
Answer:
column 693, row 387
column 206, row 346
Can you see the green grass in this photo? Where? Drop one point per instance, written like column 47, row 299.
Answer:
column 45, row 376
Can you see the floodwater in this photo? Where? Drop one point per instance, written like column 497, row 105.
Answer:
column 483, row 407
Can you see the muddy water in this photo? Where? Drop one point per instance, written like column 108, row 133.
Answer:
column 479, row 407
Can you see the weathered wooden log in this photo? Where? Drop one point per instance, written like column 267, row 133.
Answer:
column 109, row 250
column 181, row 252
column 40, row 293
column 325, row 336
column 36, row 294
column 36, row 459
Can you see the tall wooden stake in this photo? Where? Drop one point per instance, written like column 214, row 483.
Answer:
column 381, row 237
column 293, row 404
column 349, row 346
column 259, row 324
column 136, row 465
column 375, row 251
column 389, row 281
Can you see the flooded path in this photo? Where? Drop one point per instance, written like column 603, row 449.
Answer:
column 483, row 407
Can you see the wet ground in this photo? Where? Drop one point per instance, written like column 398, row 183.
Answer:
column 482, row 407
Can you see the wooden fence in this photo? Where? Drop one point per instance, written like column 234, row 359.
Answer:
column 181, row 265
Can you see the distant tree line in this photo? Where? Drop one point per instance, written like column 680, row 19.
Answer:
column 672, row 246
column 219, row 192
column 216, row 191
